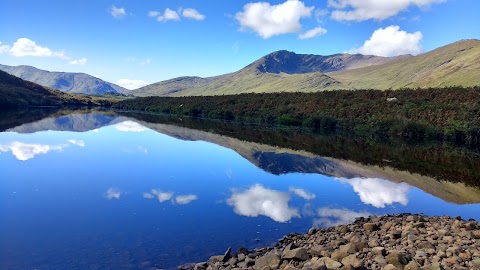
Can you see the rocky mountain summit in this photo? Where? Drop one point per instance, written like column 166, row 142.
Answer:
column 389, row 242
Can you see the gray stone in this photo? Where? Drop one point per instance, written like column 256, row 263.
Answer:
column 397, row 258
column 476, row 264
column 344, row 251
column 435, row 266
column 296, row 254
column 370, row 227
column 317, row 250
column 352, row 260
column 412, row 266
column 331, row 264
column 379, row 251
column 270, row 259
column 390, row 267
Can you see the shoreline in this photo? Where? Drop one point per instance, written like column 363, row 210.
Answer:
column 402, row 241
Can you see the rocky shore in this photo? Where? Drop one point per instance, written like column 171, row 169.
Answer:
column 390, row 242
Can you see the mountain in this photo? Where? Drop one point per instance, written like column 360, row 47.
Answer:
column 78, row 83
column 18, row 93
column 455, row 64
column 280, row 71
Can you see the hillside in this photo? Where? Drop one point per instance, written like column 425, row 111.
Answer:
column 280, row 71
column 454, row 64
column 75, row 83
column 18, row 93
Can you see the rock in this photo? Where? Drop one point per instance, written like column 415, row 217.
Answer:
column 470, row 226
column 312, row 231
column 187, row 266
column 243, row 251
column 387, row 226
column 370, row 227
column 227, row 255
column 412, row 266
column 352, row 260
column 476, row 264
column 373, row 243
column 434, row 266
column 270, row 259
column 396, row 258
column 331, row 264
column 317, row 250
column 412, row 218
column 390, row 267
column 344, row 251
column 476, row 234
column 215, row 259
column 296, row 254
column 425, row 245
column 379, row 251
column 315, row 265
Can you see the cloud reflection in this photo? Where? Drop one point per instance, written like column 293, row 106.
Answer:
column 79, row 143
column 302, row 193
column 160, row 195
column 113, row 193
column 378, row 192
column 258, row 200
column 25, row 151
column 329, row 217
column 130, row 126
column 186, row 199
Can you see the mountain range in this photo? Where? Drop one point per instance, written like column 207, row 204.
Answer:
column 74, row 83
column 283, row 71
column 456, row 64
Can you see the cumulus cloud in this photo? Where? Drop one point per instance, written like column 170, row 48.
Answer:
column 355, row 10
column 302, row 193
column 27, row 47
column 391, row 41
column 25, row 151
column 130, row 126
column 160, row 195
column 80, row 62
column 329, row 217
column 270, row 20
column 153, row 14
column 258, row 200
column 379, row 192
column 168, row 15
column 131, row 84
column 318, row 31
column 77, row 142
column 117, row 12
column 193, row 14
column 185, row 199
column 113, row 193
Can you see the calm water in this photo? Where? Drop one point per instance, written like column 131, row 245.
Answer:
column 94, row 191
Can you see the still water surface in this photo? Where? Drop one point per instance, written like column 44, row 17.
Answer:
column 102, row 191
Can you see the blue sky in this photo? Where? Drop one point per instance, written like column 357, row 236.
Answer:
column 134, row 42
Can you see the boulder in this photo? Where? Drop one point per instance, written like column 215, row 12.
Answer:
column 330, row 264
column 270, row 259
column 299, row 254
column 352, row 260
column 396, row 258
column 370, row 227
column 344, row 251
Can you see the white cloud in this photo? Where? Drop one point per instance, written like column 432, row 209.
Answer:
column 258, row 200
column 4, row 48
column 131, row 84
column 113, row 193
column 81, row 61
column 329, row 217
column 391, row 41
column 270, row 20
column 25, row 151
column 193, row 14
column 313, row 33
column 117, row 12
column 27, row 47
column 302, row 193
column 160, row 195
column 168, row 15
column 153, row 14
column 356, row 10
column 185, row 199
column 77, row 142
column 379, row 192
column 130, row 126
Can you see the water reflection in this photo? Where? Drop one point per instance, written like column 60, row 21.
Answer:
column 260, row 201
column 130, row 126
column 25, row 151
column 186, row 199
column 336, row 216
column 113, row 193
column 156, row 193
column 378, row 192
column 302, row 193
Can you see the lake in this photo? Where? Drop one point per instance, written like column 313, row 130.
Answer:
column 100, row 190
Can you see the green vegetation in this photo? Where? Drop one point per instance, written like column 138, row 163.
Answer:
column 414, row 115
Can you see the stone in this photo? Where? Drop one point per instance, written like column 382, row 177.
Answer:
column 387, row 226
column 270, row 259
column 379, row 251
column 317, row 250
column 469, row 226
column 412, row 218
column 370, row 227
column 344, row 251
column 396, row 258
column 243, row 251
column 434, row 266
column 476, row 264
column 390, row 267
column 312, row 231
column 330, row 264
column 476, row 234
column 412, row 266
column 215, row 259
column 352, row 260
column 373, row 243
column 425, row 245
column 296, row 254
column 186, row 266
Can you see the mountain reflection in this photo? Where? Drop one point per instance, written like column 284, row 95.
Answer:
column 378, row 192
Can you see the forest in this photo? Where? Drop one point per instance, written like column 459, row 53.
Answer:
column 446, row 114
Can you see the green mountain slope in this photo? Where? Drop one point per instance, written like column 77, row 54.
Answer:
column 454, row 64
column 78, row 83
column 18, row 93
column 280, row 71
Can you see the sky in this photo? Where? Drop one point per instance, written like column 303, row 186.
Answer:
column 137, row 42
